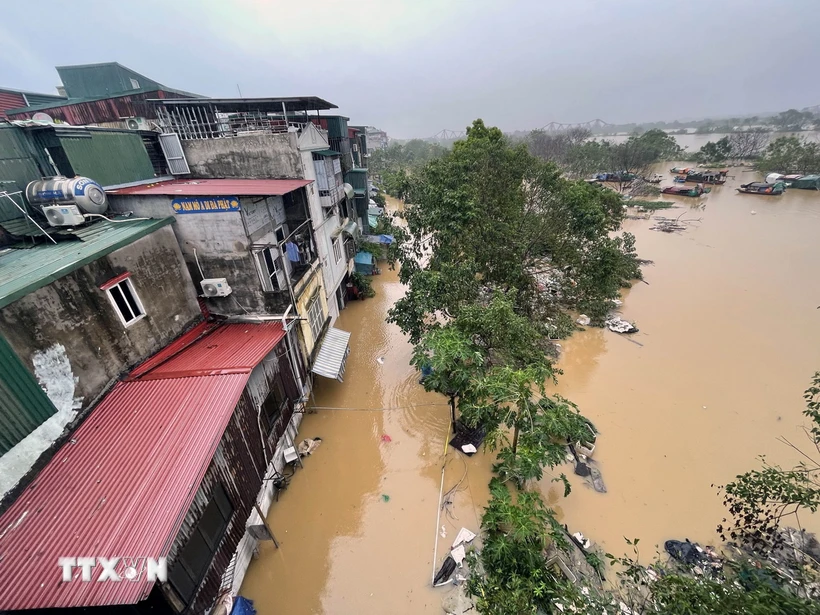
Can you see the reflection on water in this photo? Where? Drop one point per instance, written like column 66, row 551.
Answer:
column 729, row 337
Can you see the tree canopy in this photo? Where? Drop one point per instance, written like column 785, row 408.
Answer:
column 490, row 216
column 791, row 155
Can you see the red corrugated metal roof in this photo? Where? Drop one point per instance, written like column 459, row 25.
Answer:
column 218, row 187
column 178, row 345
column 123, row 484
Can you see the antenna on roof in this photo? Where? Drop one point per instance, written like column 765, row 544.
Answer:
column 238, row 90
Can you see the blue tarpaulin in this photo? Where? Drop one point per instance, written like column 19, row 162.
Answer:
column 384, row 239
column 242, row 606
column 364, row 263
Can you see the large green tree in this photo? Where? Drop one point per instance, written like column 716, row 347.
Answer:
column 791, row 155
column 488, row 217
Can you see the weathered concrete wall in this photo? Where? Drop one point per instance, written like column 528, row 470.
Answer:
column 313, row 283
column 74, row 313
column 220, row 241
column 253, row 155
column 332, row 272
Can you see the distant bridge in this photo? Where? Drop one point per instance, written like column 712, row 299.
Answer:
column 559, row 127
column 447, row 135
column 452, row 135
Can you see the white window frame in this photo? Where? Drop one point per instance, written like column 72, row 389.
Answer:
column 316, row 316
column 337, row 249
column 279, row 272
column 127, row 283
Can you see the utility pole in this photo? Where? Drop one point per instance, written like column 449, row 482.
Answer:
column 265, row 523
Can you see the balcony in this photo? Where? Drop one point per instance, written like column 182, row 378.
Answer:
column 329, row 198
column 300, row 251
column 211, row 118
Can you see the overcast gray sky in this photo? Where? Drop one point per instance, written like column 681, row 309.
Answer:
column 415, row 67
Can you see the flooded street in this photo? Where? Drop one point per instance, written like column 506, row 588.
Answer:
column 345, row 550
column 729, row 337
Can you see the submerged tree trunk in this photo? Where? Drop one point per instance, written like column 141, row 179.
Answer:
column 515, row 441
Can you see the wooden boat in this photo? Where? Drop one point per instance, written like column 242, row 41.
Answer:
column 680, row 170
column 717, row 178
column 655, row 178
column 763, row 188
column 686, row 190
column 615, row 177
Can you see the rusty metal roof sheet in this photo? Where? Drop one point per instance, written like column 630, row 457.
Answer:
column 123, row 484
column 218, row 187
column 270, row 105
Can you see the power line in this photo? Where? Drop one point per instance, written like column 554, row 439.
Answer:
column 354, row 409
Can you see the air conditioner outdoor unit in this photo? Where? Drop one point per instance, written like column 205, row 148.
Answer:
column 215, row 287
column 137, row 123
column 63, row 215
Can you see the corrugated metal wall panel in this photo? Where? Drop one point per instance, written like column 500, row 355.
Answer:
column 35, row 99
column 23, row 404
column 10, row 100
column 336, row 127
column 239, row 466
column 357, row 179
column 89, row 112
column 19, row 164
column 108, row 158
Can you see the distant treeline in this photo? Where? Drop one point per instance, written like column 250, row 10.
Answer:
column 391, row 167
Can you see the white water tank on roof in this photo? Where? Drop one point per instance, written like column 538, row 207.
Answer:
column 86, row 194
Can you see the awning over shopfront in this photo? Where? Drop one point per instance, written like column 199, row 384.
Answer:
column 351, row 228
column 332, row 356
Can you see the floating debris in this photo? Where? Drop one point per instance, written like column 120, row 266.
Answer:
column 671, row 225
column 583, row 320
column 619, row 325
column 308, row 445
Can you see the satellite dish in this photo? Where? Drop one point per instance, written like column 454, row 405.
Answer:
column 42, row 117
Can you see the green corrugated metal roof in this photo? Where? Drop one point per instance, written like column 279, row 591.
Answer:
column 23, row 404
column 20, row 163
column 109, row 158
column 105, row 79
column 328, row 152
column 24, row 271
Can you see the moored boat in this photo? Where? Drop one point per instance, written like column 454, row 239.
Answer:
column 615, row 177
column 680, row 170
column 763, row 188
column 717, row 178
column 686, row 190
column 806, row 182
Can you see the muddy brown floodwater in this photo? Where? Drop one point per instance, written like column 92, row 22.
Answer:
column 345, row 550
column 729, row 337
